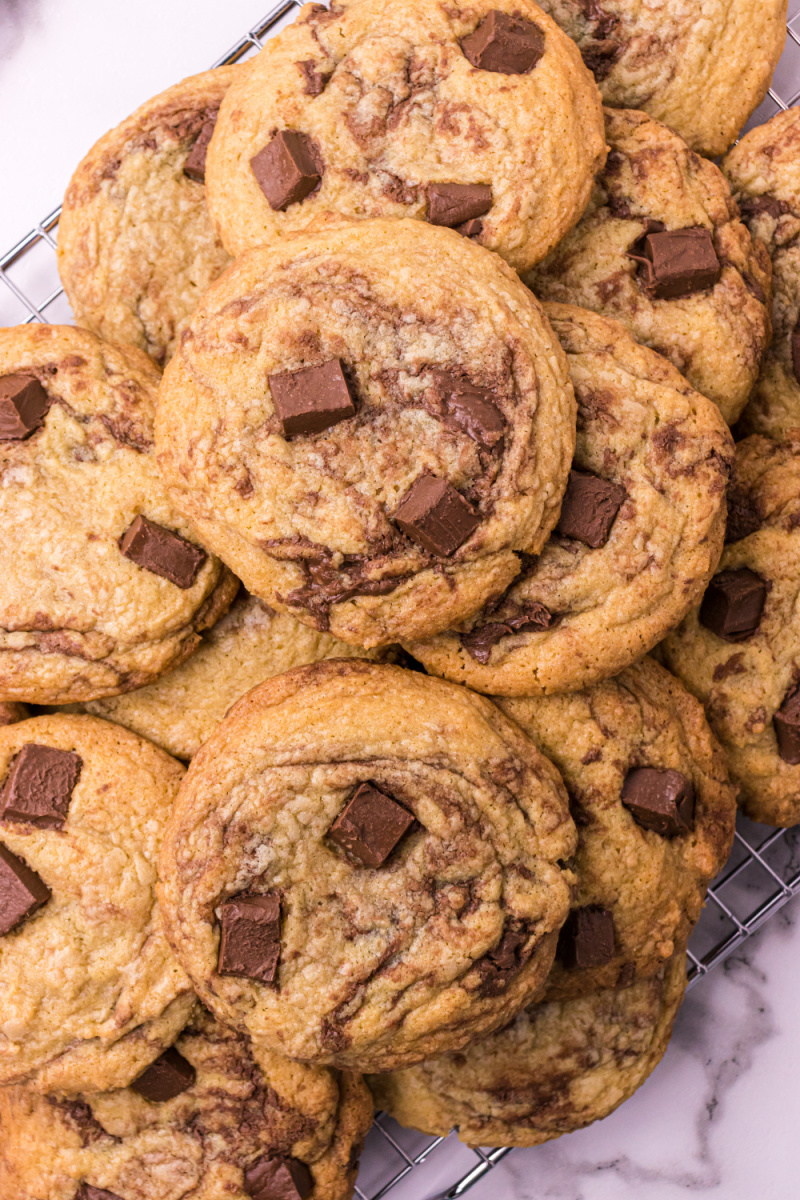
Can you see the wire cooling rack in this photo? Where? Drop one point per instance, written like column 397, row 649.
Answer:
column 763, row 872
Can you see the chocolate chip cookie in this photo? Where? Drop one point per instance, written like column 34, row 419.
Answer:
column 764, row 172
column 103, row 586
column 213, row 1116
column 558, row 1067
column 250, row 644
column 90, row 991
column 701, row 66
column 482, row 118
column 655, row 811
column 739, row 651
column 661, row 248
column 365, row 441
column 136, row 248
column 362, row 866
column 639, row 533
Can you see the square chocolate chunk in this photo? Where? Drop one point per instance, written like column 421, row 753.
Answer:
column 166, row 1078
column 311, row 399
column 39, row 786
column 508, row 44
column 22, row 891
column 733, row 604
column 163, row 552
column 371, row 825
column 435, row 516
column 278, row 1178
column 23, row 407
column 674, row 263
column 587, row 938
column 787, row 728
column 250, row 943
column 453, row 204
column 195, row 166
column 662, row 801
column 87, row 1192
column 589, row 508
column 287, row 169
column 470, row 407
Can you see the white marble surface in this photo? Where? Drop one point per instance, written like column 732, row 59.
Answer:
column 719, row 1117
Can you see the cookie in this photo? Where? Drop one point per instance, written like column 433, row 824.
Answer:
column 90, row 991
column 214, row 1116
column 661, row 248
column 386, row 432
column 701, row 66
column 558, row 1067
column 639, row 533
column 764, row 172
column 136, row 247
column 739, row 650
column 11, row 713
column 483, row 119
column 655, row 812
column 103, row 586
column 250, row 644
column 362, row 868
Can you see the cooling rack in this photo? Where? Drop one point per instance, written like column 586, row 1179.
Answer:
column 763, row 872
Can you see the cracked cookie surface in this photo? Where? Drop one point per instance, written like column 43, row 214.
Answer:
column 379, row 966
column 716, row 335
column 308, row 520
column 392, row 105
column 136, row 247
column 90, row 993
column 579, row 613
column 244, row 1107
column 78, row 619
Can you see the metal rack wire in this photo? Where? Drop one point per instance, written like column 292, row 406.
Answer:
column 763, row 872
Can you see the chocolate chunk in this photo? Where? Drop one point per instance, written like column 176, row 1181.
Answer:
column 586, row 938
column 452, row 204
column 287, row 169
column 787, row 727
column 532, row 618
column 87, row 1192
column 472, row 228
column 195, row 166
column 470, row 407
column 743, row 517
column 39, row 786
column 510, row 45
column 278, row 1178
column 589, row 508
column 22, row 891
column 756, row 205
column 315, row 80
column 311, row 399
column 796, row 352
column 733, row 604
column 677, row 262
column 503, row 962
column 370, row 826
column 250, row 945
column 662, row 801
column 166, row 1078
column 163, row 552
column 23, row 407
column 436, row 516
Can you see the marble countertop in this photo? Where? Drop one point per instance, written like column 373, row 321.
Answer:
column 718, row 1118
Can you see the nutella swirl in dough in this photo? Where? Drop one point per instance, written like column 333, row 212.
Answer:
column 640, row 529
column 482, row 118
column 214, row 1117
column 365, row 424
column 89, row 991
column 103, row 586
column 136, row 248
column 362, row 867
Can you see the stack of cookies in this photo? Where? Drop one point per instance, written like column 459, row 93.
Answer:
column 395, row 434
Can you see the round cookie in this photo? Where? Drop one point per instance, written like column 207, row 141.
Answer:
column 136, row 247
column 386, row 434
column 483, row 118
column 558, row 1067
column 81, row 507
column 362, row 868
column 89, row 991
column 638, row 740
column 640, row 530
column 739, row 652
column 700, row 66
column 250, row 644
column 764, row 172
column 661, row 248
column 221, row 1118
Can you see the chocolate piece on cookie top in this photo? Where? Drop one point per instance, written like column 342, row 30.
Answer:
column 470, row 407
column 674, row 263
column 287, row 169
column 250, row 942
column 23, row 407
column 278, row 1178
column 587, row 938
column 659, row 800
column 22, row 891
column 531, row 617
column 370, row 826
column 163, row 552
column 311, row 399
column 87, row 1192
column 787, row 727
column 435, row 516
column 589, row 508
column 39, row 786
column 165, row 1078
column 733, row 604
column 453, row 204
column 195, row 166
column 510, row 45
